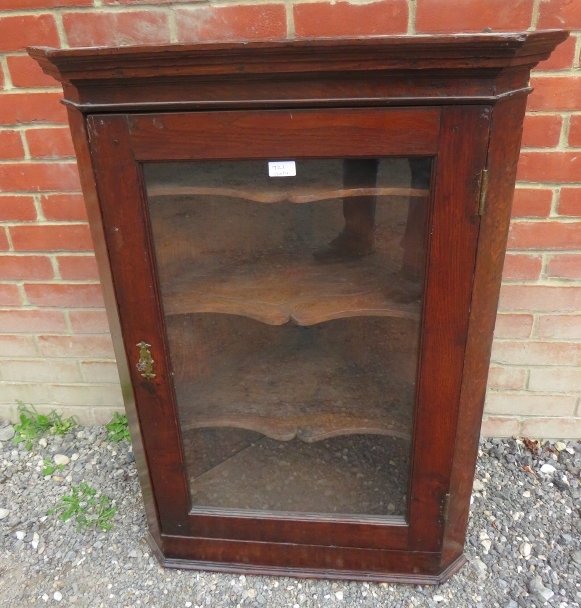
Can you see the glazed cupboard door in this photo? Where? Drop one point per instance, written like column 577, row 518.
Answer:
column 294, row 289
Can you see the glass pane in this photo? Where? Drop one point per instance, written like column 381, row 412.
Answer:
column 292, row 294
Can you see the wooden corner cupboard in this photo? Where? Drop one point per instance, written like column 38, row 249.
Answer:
column 300, row 245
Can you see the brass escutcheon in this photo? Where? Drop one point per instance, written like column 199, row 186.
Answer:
column 145, row 363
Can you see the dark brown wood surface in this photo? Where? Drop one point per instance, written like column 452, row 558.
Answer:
column 462, row 68
column 81, row 142
column 503, row 154
column 474, row 80
column 280, row 134
column 452, row 251
column 133, row 271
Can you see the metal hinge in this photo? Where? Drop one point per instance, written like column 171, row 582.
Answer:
column 446, row 508
column 483, row 191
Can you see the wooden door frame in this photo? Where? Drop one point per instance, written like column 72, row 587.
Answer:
column 458, row 140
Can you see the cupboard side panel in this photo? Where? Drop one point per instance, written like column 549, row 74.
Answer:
column 450, row 271
column 125, row 226
column 89, row 186
column 503, row 156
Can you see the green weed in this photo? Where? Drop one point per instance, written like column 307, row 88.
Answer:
column 88, row 511
column 117, row 428
column 50, row 467
column 32, row 424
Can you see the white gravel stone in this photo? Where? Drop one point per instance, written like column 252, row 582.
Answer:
column 548, row 468
column 20, row 534
column 525, row 549
column 339, row 595
column 438, row 598
column 560, row 446
column 6, row 433
column 4, row 513
column 61, row 459
column 479, row 567
column 536, row 587
column 42, row 442
column 478, row 486
column 58, row 596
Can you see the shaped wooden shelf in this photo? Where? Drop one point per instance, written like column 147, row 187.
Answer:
column 278, row 289
column 294, row 195
column 334, row 397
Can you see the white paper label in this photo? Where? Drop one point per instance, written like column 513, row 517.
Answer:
column 282, row 168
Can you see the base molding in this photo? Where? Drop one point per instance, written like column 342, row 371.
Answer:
column 375, row 577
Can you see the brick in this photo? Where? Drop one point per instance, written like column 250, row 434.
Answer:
column 29, row 392
column 39, row 176
column 78, row 268
column 559, row 14
column 532, row 202
column 575, row 131
column 559, row 327
column 561, row 58
column 103, row 415
column 541, row 130
column 17, row 346
column 50, row 143
column 9, row 295
column 64, row 207
column 243, row 22
column 549, row 166
column 25, row 321
column 8, row 412
column 570, row 202
column 25, row 72
column 89, row 321
column 529, row 404
column 64, row 295
column 556, row 380
column 555, row 93
column 564, row 266
column 499, row 426
column 116, row 29
column 21, row 108
column 46, row 404
column 521, row 267
column 11, row 147
column 40, row 371
column 50, row 237
column 17, row 209
column 32, row 4
column 100, row 371
column 105, row 395
column 94, row 347
column 473, row 15
column 536, row 353
column 552, row 428
column 540, row 297
column 513, row 326
column 16, row 33
column 3, row 238
column 347, row 19
column 544, row 235
column 507, row 378
column 19, row 267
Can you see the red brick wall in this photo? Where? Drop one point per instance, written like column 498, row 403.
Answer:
column 55, row 350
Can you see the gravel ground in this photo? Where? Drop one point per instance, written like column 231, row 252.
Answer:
column 524, row 539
